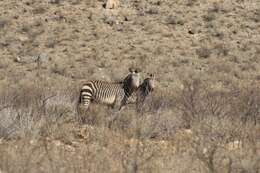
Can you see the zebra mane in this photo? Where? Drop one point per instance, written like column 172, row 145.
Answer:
column 127, row 85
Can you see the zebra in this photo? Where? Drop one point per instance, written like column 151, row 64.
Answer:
column 142, row 92
column 114, row 94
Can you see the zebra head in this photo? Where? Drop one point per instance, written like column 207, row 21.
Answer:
column 132, row 81
column 149, row 82
column 135, row 78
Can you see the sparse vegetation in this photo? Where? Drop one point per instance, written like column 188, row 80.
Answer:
column 203, row 116
column 203, row 52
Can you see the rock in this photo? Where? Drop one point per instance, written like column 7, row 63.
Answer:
column 112, row 4
column 23, row 38
column 42, row 57
column 17, row 59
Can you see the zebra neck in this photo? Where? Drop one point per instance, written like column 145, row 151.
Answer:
column 147, row 90
column 127, row 93
column 128, row 90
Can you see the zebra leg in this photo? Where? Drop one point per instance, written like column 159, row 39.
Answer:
column 82, row 107
column 131, row 100
column 86, row 105
column 79, row 109
column 140, row 103
column 85, row 99
column 117, row 106
column 123, row 102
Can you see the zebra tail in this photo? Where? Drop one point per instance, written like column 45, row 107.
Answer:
column 79, row 99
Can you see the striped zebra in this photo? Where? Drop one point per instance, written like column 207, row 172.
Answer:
column 114, row 94
column 143, row 91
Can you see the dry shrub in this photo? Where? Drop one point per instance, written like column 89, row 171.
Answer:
column 247, row 104
column 3, row 22
column 191, row 2
column 154, row 120
column 198, row 100
column 33, row 110
column 221, row 121
column 157, row 101
column 174, row 20
column 54, row 156
column 95, row 115
column 222, row 49
column 40, row 131
column 51, row 42
column 39, row 10
column 223, row 124
column 58, row 69
column 203, row 52
column 55, row 1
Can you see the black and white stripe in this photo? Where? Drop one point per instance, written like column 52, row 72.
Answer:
column 114, row 94
column 142, row 92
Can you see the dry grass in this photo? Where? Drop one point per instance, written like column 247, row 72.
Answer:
column 40, row 131
column 204, row 53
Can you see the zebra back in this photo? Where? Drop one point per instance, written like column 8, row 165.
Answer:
column 109, row 92
column 101, row 91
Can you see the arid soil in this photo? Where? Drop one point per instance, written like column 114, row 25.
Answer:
column 204, row 115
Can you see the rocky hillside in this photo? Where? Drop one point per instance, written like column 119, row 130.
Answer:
column 203, row 116
column 215, row 40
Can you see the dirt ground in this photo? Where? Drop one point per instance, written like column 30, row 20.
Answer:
column 215, row 40
column 205, row 55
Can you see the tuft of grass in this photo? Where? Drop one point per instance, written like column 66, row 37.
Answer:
column 39, row 10
column 55, row 1
column 3, row 22
column 203, row 117
column 203, row 52
column 40, row 125
column 174, row 20
column 191, row 2
column 209, row 17
column 57, row 69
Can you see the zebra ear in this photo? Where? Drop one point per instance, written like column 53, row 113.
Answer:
column 138, row 70
column 131, row 70
column 150, row 75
